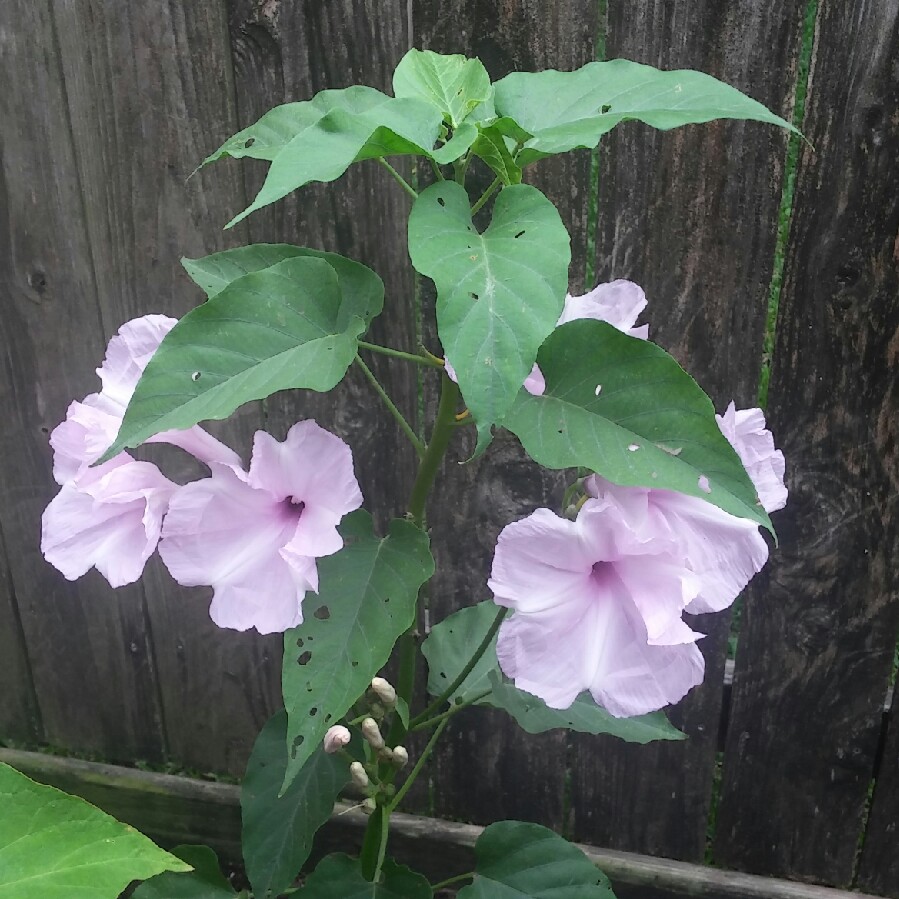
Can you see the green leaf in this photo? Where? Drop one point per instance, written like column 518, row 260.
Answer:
column 457, row 146
column 56, row 846
column 583, row 715
column 498, row 293
column 214, row 273
column 516, row 860
column 453, row 84
column 285, row 326
column 567, row 110
column 318, row 139
column 366, row 600
column 624, row 408
column 450, row 645
column 206, row 881
column 278, row 831
column 340, row 877
column 491, row 147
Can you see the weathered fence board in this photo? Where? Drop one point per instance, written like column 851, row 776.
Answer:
column 486, row 767
column 698, row 235
column 821, row 625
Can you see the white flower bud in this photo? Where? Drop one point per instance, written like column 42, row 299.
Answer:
column 372, row 734
column 336, row 738
column 357, row 773
column 400, row 756
column 384, row 691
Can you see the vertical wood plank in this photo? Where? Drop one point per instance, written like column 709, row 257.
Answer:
column 147, row 88
column 487, row 768
column 691, row 215
column 81, row 637
column 879, row 866
column 821, row 627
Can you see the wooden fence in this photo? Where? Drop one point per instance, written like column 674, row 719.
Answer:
column 106, row 109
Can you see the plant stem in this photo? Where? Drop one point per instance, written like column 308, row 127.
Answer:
column 452, row 880
column 399, row 178
column 443, row 716
column 404, row 425
column 460, row 678
column 429, row 361
column 486, row 195
column 440, row 438
column 436, row 169
column 384, row 811
column 418, row 766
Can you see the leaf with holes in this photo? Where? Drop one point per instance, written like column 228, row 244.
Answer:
column 56, row 846
column 449, row 646
column 366, row 600
column 206, row 881
column 453, row 84
column 583, row 715
column 517, row 860
column 318, row 139
column 278, row 830
column 285, row 326
column 498, row 293
column 568, row 110
column 624, row 408
column 214, row 273
column 340, row 877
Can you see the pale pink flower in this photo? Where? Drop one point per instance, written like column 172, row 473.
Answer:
column 598, row 604
column 746, row 432
column 336, row 737
column 616, row 302
column 109, row 518
column 255, row 537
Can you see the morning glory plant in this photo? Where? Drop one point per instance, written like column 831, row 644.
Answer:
column 585, row 629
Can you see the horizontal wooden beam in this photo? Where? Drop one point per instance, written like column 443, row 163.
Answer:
column 172, row 809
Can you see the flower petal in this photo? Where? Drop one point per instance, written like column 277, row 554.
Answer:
column 128, row 353
column 616, row 302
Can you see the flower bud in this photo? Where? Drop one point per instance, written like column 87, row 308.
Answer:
column 336, row 738
column 357, row 773
column 384, row 691
column 400, row 756
column 372, row 734
column 369, row 805
column 377, row 711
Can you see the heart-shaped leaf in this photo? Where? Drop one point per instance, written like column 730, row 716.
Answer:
column 453, row 84
column 625, row 409
column 56, row 846
column 206, row 881
column 366, row 600
column 566, row 110
column 340, row 877
column 278, row 830
column 517, row 860
column 285, row 326
column 498, row 293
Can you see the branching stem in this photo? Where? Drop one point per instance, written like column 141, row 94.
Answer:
column 429, row 361
column 486, row 195
column 403, row 183
column 405, row 427
column 422, row 759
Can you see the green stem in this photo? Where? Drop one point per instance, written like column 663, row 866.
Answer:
column 460, row 678
column 399, row 178
column 436, row 169
column 443, row 716
column 430, row 463
column 451, row 880
column 486, row 195
column 398, row 798
column 399, row 354
column 404, row 425
column 382, row 848
column 371, row 843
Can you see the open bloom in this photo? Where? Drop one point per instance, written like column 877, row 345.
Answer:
column 598, row 604
column 616, row 302
column 255, row 537
column 110, row 517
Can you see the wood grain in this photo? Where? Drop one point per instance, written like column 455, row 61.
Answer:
column 690, row 215
column 486, row 768
column 821, row 626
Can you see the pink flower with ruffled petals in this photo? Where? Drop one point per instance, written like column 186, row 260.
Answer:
column 598, row 604
column 616, row 302
column 745, row 430
column 255, row 537
column 109, row 518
